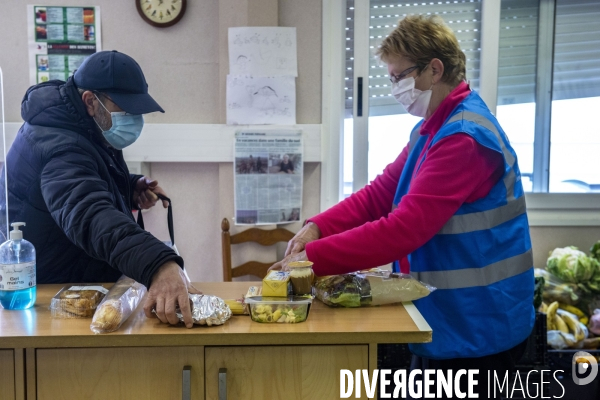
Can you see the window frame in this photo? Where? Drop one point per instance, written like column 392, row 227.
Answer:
column 544, row 209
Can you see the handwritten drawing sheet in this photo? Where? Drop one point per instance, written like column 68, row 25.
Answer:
column 263, row 51
column 261, row 100
column 261, row 85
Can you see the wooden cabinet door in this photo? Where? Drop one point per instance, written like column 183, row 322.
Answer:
column 281, row 372
column 118, row 373
column 7, row 374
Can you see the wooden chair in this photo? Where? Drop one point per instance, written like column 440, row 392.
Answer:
column 260, row 236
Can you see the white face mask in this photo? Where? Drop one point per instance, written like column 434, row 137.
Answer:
column 415, row 101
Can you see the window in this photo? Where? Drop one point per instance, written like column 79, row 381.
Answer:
column 547, row 94
column 516, row 79
column 574, row 130
column 389, row 125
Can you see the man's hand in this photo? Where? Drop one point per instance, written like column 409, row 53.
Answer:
column 144, row 194
column 308, row 233
column 169, row 288
column 283, row 264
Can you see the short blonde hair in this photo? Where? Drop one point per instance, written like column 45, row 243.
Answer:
column 422, row 38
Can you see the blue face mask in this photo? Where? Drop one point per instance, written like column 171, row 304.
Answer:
column 125, row 129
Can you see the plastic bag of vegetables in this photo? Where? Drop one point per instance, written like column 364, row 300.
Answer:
column 557, row 290
column 572, row 265
column 369, row 288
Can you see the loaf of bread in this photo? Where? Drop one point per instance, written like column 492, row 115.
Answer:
column 120, row 302
column 77, row 301
column 109, row 316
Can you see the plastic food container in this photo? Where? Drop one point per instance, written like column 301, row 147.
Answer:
column 289, row 310
column 77, row 301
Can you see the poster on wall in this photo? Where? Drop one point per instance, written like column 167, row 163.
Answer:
column 59, row 39
column 268, row 177
column 261, row 100
column 261, row 85
column 263, row 51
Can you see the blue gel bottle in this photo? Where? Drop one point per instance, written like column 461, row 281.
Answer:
column 17, row 271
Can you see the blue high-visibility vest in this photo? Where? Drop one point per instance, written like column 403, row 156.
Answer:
column 480, row 261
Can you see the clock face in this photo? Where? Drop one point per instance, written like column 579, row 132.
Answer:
column 161, row 13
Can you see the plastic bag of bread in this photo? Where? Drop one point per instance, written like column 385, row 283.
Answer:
column 77, row 301
column 118, row 304
column 369, row 288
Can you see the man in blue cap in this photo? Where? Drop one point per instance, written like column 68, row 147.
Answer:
column 68, row 181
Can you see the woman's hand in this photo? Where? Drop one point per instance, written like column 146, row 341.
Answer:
column 283, row 264
column 307, row 234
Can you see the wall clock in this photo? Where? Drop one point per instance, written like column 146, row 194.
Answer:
column 161, row 13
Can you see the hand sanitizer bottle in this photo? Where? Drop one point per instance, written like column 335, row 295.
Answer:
column 17, row 271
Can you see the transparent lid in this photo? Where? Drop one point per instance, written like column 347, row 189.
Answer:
column 296, row 300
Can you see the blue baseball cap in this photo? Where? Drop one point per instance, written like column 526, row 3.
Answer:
column 120, row 77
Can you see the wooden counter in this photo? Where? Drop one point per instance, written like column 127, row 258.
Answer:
column 62, row 358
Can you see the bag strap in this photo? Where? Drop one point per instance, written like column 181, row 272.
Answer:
column 140, row 219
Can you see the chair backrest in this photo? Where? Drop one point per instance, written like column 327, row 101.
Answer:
column 260, row 236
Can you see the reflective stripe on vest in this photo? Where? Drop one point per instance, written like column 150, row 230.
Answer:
column 487, row 219
column 472, row 277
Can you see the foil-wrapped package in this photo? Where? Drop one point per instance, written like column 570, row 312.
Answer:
column 207, row 310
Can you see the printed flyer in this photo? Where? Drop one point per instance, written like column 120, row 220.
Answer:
column 268, row 176
column 60, row 38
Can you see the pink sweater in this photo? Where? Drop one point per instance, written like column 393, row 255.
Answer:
column 362, row 232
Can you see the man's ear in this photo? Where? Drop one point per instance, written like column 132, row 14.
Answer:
column 88, row 99
column 437, row 69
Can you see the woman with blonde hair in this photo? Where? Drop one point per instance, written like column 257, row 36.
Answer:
column 450, row 208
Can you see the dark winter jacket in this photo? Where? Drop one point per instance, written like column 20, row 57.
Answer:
column 75, row 195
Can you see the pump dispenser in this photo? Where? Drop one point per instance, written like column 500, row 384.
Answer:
column 17, row 271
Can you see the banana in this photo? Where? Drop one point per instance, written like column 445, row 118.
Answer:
column 573, row 325
column 569, row 340
column 235, row 306
column 543, row 308
column 584, row 320
column 550, row 313
column 560, row 324
column 550, row 325
column 552, row 307
column 591, row 343
column 572, row 310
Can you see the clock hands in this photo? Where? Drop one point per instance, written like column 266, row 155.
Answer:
column 161, row 12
